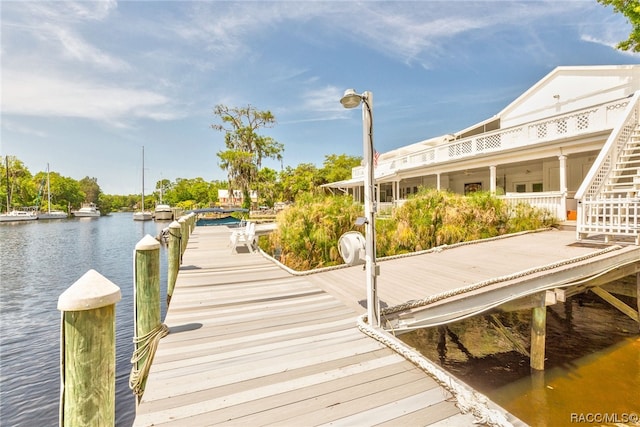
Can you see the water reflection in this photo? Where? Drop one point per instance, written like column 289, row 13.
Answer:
column 592, row 361
column 38, row 261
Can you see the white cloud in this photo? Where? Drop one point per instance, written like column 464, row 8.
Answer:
column 21, row 129
column 75, row 47
column 50, row 96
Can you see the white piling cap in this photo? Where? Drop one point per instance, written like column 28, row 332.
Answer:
column 174, row 224
column 147, row 243
column 90, row 291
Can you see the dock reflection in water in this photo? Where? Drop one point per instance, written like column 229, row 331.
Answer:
column 592, row 365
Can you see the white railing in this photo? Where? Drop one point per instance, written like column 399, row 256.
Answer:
column 552, row 201
column 609, row 215
column 593, row 119
column 618, row 216
column 604, row 163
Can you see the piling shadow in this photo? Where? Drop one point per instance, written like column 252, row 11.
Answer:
column 185, row 327
column 190, row 267
column 363, row 303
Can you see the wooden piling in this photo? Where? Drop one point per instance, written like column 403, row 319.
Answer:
column 638, row 296
column 538, row 336
column 147, row 309
column 174, row 258
column 88, row 352
column 184, row 233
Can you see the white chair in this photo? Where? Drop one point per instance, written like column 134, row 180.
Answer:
column 246, row 236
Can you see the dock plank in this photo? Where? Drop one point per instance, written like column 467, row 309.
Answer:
column 253, row 344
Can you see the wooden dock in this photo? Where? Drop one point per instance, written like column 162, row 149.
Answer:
column 252, row 344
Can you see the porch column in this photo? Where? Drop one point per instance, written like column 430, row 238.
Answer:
column 492, row 184
column 563, row 187
column 438, row 181
column 394, row 191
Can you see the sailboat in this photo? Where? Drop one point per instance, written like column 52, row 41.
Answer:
column 142, row 215
column 14, row 215
column 162, row 211
column 51, row 214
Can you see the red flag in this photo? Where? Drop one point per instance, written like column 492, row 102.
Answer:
column 375, row 158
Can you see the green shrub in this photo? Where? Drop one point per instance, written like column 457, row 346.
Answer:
column 307, row 233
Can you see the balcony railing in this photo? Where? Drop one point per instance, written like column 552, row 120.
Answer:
column 552, row 201
column 589, row 120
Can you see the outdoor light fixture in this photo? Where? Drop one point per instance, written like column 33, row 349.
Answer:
column 352, row 99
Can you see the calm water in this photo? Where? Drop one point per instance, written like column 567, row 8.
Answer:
column 592, row 366
column 38, row 261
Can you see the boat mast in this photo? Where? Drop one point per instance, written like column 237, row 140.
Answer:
column 6, row 161
column 48, row 190
column 143, row 179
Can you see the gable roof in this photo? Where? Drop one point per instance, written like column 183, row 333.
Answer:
column 570, row 88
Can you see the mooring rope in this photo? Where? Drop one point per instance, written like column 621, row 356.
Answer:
column 467, row 400
column 179, row 242
column 458, row 291
column 146, row 346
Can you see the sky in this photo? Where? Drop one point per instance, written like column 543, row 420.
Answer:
column 87, row 84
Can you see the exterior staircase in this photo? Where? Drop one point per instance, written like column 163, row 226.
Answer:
column 624, row 179
column 610, row 205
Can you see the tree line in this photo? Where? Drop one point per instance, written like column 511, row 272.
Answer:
column 29, row 190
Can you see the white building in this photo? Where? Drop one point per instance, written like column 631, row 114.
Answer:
column 237, row 197
column 571, row 143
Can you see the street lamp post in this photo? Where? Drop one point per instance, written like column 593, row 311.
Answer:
column 351, row 100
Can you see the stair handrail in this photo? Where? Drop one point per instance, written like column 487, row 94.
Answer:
column 604, row 163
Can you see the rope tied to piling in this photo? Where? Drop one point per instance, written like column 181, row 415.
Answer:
column 146, row 346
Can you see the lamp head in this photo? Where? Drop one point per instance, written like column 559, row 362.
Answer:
column 350, row 99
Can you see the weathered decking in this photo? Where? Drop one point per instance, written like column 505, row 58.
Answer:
column 252, row 344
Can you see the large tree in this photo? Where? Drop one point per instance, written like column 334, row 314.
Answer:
column 338, row 167
column 305, row 178
column 16, row 184
column 245, row 147
column 91, row 189
column 630, row 9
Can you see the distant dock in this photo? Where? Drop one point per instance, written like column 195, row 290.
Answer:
column 251, row 343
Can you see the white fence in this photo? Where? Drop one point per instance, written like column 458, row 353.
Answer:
column 618, row 216
column 552, row 201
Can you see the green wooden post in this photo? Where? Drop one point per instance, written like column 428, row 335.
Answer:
column 538, row 336
column 194, row 218
column 147, row 297
column 88, row 352
column 173, row 263
column 638, row 295
column 184, row 233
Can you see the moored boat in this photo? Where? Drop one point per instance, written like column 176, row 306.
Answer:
column 51, row 214
column 142, row 215
column 88, row 210
column 18, row 215
column 15, row 214
column 163, row 212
